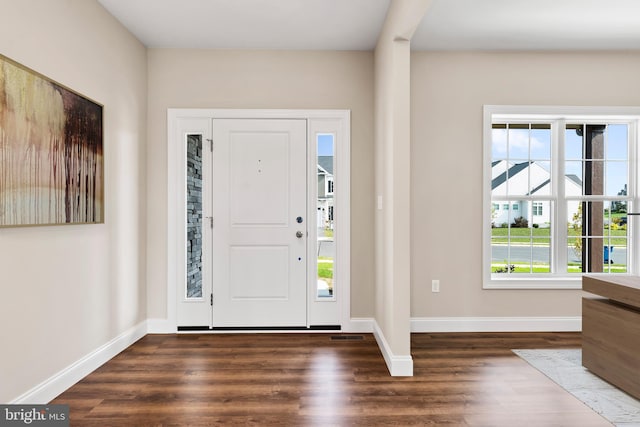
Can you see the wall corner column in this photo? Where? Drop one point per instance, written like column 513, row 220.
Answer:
column 392, row 164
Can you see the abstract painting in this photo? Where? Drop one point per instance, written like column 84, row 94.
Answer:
column 51, row 154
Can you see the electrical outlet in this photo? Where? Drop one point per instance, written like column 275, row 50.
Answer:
column 435, row 286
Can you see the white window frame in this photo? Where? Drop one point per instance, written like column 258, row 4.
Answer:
column 328, row 185
column 537, row 208
column 558, row 115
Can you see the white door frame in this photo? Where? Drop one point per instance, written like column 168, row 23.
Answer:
column 176, row 251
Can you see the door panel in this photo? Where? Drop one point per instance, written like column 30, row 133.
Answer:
column 259, row 177
column 260, row 188
column 268, row 277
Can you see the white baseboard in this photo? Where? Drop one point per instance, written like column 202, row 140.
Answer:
column 399, row 366
column 160, row 326
column 496, row 324
column 50, row 388
column 363, row 325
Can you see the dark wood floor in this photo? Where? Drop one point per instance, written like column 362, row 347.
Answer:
column 314, row 380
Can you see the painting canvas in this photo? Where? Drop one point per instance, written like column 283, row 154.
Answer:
column 51, row 154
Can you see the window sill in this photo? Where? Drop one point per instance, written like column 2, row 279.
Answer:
column 556, row 283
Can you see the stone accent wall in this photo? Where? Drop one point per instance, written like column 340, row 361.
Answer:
column 194, row 216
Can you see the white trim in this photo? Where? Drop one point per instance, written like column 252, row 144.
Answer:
column 341, row 199
column 556, row 112
column 496, row 324
column 173, row 216
column 399, row 366
column 160, row 326
column 50, row 388
column 362, row 325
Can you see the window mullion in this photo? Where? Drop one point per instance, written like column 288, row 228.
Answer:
column 559, row 262
column 633, row 235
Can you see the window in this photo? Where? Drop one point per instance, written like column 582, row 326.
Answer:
column 329, row 186
column 569, row 177
column 536, row 208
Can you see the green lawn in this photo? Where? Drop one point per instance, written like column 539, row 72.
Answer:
column 325, row 269
column 539, row 235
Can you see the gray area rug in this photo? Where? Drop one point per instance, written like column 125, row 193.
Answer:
column 565, row 368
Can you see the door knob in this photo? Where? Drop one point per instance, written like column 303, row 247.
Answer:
column 299, row 234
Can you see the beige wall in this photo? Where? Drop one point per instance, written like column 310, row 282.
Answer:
column 448, row 92
column 270, row 80
column 67, row 290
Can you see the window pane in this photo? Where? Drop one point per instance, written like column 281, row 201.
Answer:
column 518, row 141
column 573, row 142
column 541, row 255
column 597, row 239
column 324, row 217
column 594, row 141
column 593, row 178
column 616, row 178
column 500, row 253
column 541, row 142
column 540, row 179
column 194, row 216
column 499, row 142
column 573, row 178
column 617, row 142
column 499, row 216
column 574, row 255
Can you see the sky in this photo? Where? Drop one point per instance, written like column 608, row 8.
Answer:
column 325, row 145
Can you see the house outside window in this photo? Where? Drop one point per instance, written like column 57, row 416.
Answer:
column 569, row 176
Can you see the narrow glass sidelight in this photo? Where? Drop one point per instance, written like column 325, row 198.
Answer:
column 324, row 216
column 194, row 217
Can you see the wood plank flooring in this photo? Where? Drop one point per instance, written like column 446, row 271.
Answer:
column 314, row 380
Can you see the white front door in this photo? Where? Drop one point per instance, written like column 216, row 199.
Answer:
column 260, row 223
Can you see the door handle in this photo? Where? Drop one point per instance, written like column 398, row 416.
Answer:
column 299, row 234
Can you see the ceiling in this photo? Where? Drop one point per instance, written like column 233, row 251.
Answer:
column 355, row 24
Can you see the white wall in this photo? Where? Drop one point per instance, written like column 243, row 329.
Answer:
column 448, row 92
column 269, row 80
column 67, row 290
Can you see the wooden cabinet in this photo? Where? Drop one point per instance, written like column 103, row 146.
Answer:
column 611, row 330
